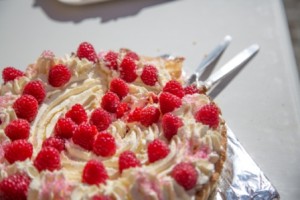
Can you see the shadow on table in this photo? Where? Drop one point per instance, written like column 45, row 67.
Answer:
column 106, row 11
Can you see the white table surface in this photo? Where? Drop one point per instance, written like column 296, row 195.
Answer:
column 261, row 104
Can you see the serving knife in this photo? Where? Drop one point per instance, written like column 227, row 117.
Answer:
column 238, row 61
column 209, row 59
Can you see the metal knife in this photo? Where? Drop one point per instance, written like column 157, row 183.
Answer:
column 209, row 59
column 236, row 62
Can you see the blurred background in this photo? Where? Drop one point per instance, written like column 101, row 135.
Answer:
column 292, row 8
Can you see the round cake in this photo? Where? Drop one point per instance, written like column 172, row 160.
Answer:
column 110, row 126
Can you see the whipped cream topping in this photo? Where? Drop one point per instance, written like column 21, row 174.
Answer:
column 195, row 143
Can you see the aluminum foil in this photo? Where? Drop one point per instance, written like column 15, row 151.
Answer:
column 241, row 178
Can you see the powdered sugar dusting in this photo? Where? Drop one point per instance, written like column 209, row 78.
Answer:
column 47, row 54
column 55, row 187
column 5, row 100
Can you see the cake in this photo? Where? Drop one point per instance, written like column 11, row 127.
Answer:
column 112, row 125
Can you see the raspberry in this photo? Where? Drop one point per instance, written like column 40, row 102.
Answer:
column 157, row 149
column 208, row 115
column 101, row 119
column 94, row 173
column 111, row 60
column 185, row 175
column 86, row 50
column 104, row 145
column 55, row 142
column 132, row 55
column 17, row 129
column 18, row 150
column 149, row 115
column 174, row 87
column 149, row 75
column 35, row 89
column 59, row 75
column 47, row 159
column 84, row 136
column 135, row 115
column 26, row 107
column 127, row 160
column 77, row 114
column 128, row 70
column 168, row 102
column 101, row 197
column 119, row 87
column 110, row 102
column 64, row 128
column 11, row 73
column 191, row 89
column 122, row 109
column 14, row 187
column 170, row 125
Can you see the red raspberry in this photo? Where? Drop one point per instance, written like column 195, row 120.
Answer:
column 47, row 159
column 84, row 136
column 86, row 50
column 18, row 150
column 77, row 114
column 208, row 115
column 170, row 125
column 128, row 70
column 101, row 197
column 185, row 175
column 119, row 87
column 55, row 142
column 35, row 89
column 149, row 115
column 17, row 129
column 157, row 149
column 26, row 107
column 168, row 102
column 14, row 187
column 191, row 89
column 127, row 160
column 135, row 115
column 104, row 145
column 132, row 55
column 101, row 119
column 110, row 102
column 64, row 128
column 11, row 73
column 149, row 75
column 59, row 75
column 174, row 87
column 122, row 109
column 111, row 60
column 94, row 173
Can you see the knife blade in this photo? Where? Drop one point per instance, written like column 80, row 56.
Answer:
column 236, row 62
column 209, row 59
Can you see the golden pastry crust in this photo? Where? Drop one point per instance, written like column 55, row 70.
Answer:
column 208, row 188
column 173, row 66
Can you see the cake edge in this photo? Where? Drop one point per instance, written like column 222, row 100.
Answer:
column 208, row 188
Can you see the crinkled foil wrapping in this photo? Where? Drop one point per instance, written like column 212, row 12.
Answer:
column 241, row 178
